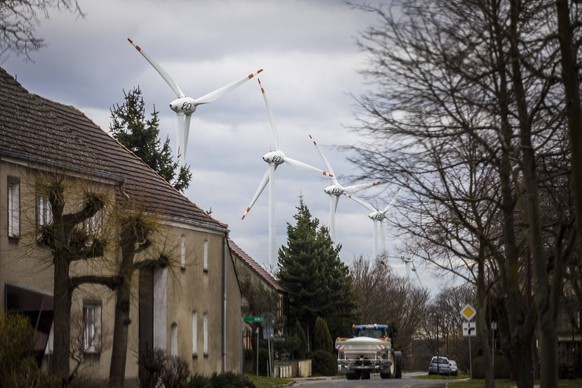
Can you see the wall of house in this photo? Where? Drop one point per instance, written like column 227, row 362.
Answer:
column 192, row 287
column 195, row 292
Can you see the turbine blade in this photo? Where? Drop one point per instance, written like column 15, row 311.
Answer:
column 334, row 202
column 169, row 80
column 362, row 202
column 392, row 201
column 186, row 132
column 354, row 188
column 327, row 165
column 260, row 189
column 271, row 118
column 305, row 166
column 215, row 95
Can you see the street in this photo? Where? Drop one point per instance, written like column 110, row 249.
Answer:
column 408, row 380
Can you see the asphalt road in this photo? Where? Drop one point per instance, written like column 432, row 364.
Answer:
column 409, row 380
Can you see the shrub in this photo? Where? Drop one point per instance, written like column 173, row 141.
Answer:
column 175, row 372
column 151, row 364
column 502, row 368
column 301, row 352
column 18, row 367
column 321, row 336
column 224, row 380
column 324, row 363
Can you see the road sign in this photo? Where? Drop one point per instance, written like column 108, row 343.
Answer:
column 468, row 312
column 253, row 319
column 469, row 329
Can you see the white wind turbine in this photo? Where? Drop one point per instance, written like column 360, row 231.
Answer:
column 184, row 106
column 334, row 191
column 274, row 159
column 378, row 217
column 408, row 262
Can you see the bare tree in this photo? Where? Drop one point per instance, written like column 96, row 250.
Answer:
column 466, row 110
column 19, row 19
column 384, row 297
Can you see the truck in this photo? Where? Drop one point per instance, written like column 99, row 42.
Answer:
column 369, row 350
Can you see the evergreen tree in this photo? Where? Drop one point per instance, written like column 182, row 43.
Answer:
column 130, row 127
column 321, row 336
column 317, row 282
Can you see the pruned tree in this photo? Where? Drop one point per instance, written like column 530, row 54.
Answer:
column 19, row 19
column 69, row 240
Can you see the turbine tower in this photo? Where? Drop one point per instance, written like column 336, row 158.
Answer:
column 274, row 159
column 184, row 106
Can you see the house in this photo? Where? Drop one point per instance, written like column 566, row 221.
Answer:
column 190, row 308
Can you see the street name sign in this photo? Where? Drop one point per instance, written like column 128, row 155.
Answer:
column 253, row 319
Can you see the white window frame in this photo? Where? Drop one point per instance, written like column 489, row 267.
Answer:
column 44, row 212
column 205, row 256
column 174, row 339
column 194, row 334
column 13, row 207
column 92, row 327
column 183, row 253
column 205, row 330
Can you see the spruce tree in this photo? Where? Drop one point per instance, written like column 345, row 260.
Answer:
column 316, row 280
column 130, row 127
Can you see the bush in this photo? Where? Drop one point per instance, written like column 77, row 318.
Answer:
column 18, row 367
column 301, row 352
column 175, row 372
column 502, row 368
column 224, row 380
column 321, row 336
column 324, row 363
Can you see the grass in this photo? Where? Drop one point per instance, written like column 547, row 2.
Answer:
column 268, row 382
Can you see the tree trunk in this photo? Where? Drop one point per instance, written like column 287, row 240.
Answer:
column 120, row 335
column 482, row 324
column 62, row 319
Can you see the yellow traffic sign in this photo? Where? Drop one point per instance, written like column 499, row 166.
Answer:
column 468, row 312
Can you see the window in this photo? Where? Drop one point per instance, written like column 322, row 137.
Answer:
column 44, row 213
column 183, row 253
column 92, row 327
column 13, row 207
column 174, row 339
column 205, row 329
column 194, row 334
column 205, row 256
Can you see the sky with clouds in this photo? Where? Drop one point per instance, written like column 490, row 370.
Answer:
column 311, row 74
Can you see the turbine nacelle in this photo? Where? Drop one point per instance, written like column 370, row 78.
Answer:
column 336, row 190
column 183, row 105
column 274, row 157
column 377, row 216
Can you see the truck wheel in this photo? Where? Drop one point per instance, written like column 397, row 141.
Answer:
column 398, row 365
column 365, row 375
column 352, row 376
column 385, row 375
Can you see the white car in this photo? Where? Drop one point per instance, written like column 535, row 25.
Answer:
column 454, row 368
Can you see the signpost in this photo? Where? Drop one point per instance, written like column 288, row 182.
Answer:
column 469, row 330
column 253, row 319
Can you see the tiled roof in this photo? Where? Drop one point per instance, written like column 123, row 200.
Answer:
column 35, row 129
column 254, row 266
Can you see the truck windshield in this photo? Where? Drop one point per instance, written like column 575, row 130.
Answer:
column 373, row 333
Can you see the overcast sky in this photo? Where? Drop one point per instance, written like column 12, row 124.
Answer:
column 311, row 73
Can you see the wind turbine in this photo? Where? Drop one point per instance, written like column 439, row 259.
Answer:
column 184, row 106
column 378, row 217
column 274, row 159
column 408, row 261
column 334, row 191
